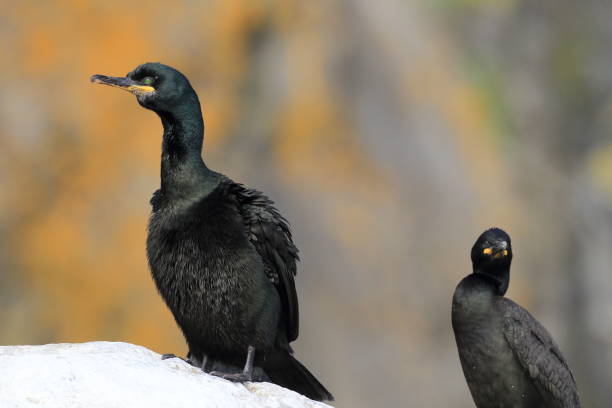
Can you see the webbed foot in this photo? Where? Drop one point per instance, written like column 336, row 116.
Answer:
column 170, row 355
column 237, row 377
column 247, row 372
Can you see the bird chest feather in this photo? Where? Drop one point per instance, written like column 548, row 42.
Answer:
column 201, row 259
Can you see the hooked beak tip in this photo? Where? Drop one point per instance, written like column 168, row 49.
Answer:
column 96, row 79
column 502, row 245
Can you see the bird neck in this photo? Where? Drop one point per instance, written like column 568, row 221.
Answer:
column 497, row 277
column 472, row 301
column 183, row 172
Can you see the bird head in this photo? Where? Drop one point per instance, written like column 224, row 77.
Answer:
column 157, row 86
column 492, row 253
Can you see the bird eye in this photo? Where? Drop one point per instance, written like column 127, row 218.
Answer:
column 147, row 80
column 487, row 251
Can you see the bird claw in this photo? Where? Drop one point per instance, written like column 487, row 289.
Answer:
column 168, row 356
column 237, row 377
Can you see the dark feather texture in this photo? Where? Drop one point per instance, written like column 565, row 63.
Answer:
column 508, row 358
column 270, row 235
column 538, row 354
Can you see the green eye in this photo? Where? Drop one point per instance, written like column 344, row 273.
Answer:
column 147, row 80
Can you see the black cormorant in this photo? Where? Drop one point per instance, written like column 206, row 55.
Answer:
column 221, row 255
column 508, row 358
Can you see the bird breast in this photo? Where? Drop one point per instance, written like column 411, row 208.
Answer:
column 201, row 261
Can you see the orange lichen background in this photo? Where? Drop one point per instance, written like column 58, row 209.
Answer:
column 389, row 134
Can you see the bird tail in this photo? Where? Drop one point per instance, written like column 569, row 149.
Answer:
column 291, row 374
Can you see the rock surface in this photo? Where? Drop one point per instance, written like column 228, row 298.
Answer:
column 109, row 375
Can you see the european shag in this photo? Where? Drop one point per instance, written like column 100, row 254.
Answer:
column 221, row 254
column 508, row 358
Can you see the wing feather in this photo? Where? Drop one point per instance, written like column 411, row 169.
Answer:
column 540, row 356
column 270, row 234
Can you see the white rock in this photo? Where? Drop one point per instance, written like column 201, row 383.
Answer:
column 122, row 375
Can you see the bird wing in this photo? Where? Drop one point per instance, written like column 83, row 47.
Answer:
column 269, row 233
column 540, row 357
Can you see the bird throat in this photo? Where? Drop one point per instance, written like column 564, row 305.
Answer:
column 499, row 278
column 183, row 171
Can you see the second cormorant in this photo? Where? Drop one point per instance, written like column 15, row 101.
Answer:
column 508, row 358
column 221, row 255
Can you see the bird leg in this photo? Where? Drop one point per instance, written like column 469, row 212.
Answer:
column 196, row 362
column 204, row 363
column 247, row 372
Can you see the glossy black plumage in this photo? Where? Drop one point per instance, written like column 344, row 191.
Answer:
column 221, row 255
column 508, row 357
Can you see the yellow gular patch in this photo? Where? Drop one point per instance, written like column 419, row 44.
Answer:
column 500, row 254
column 487, row 251
column 140, row 89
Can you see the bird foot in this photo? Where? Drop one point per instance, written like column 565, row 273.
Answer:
column 170, row 355
column 237, row 377
column 247, row 373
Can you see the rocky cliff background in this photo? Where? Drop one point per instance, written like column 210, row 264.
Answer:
column 389, row 133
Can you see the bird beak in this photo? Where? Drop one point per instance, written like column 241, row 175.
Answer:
column 123, row 83
column 499, row 250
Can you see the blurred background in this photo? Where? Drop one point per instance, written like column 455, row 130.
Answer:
column 390, row 134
